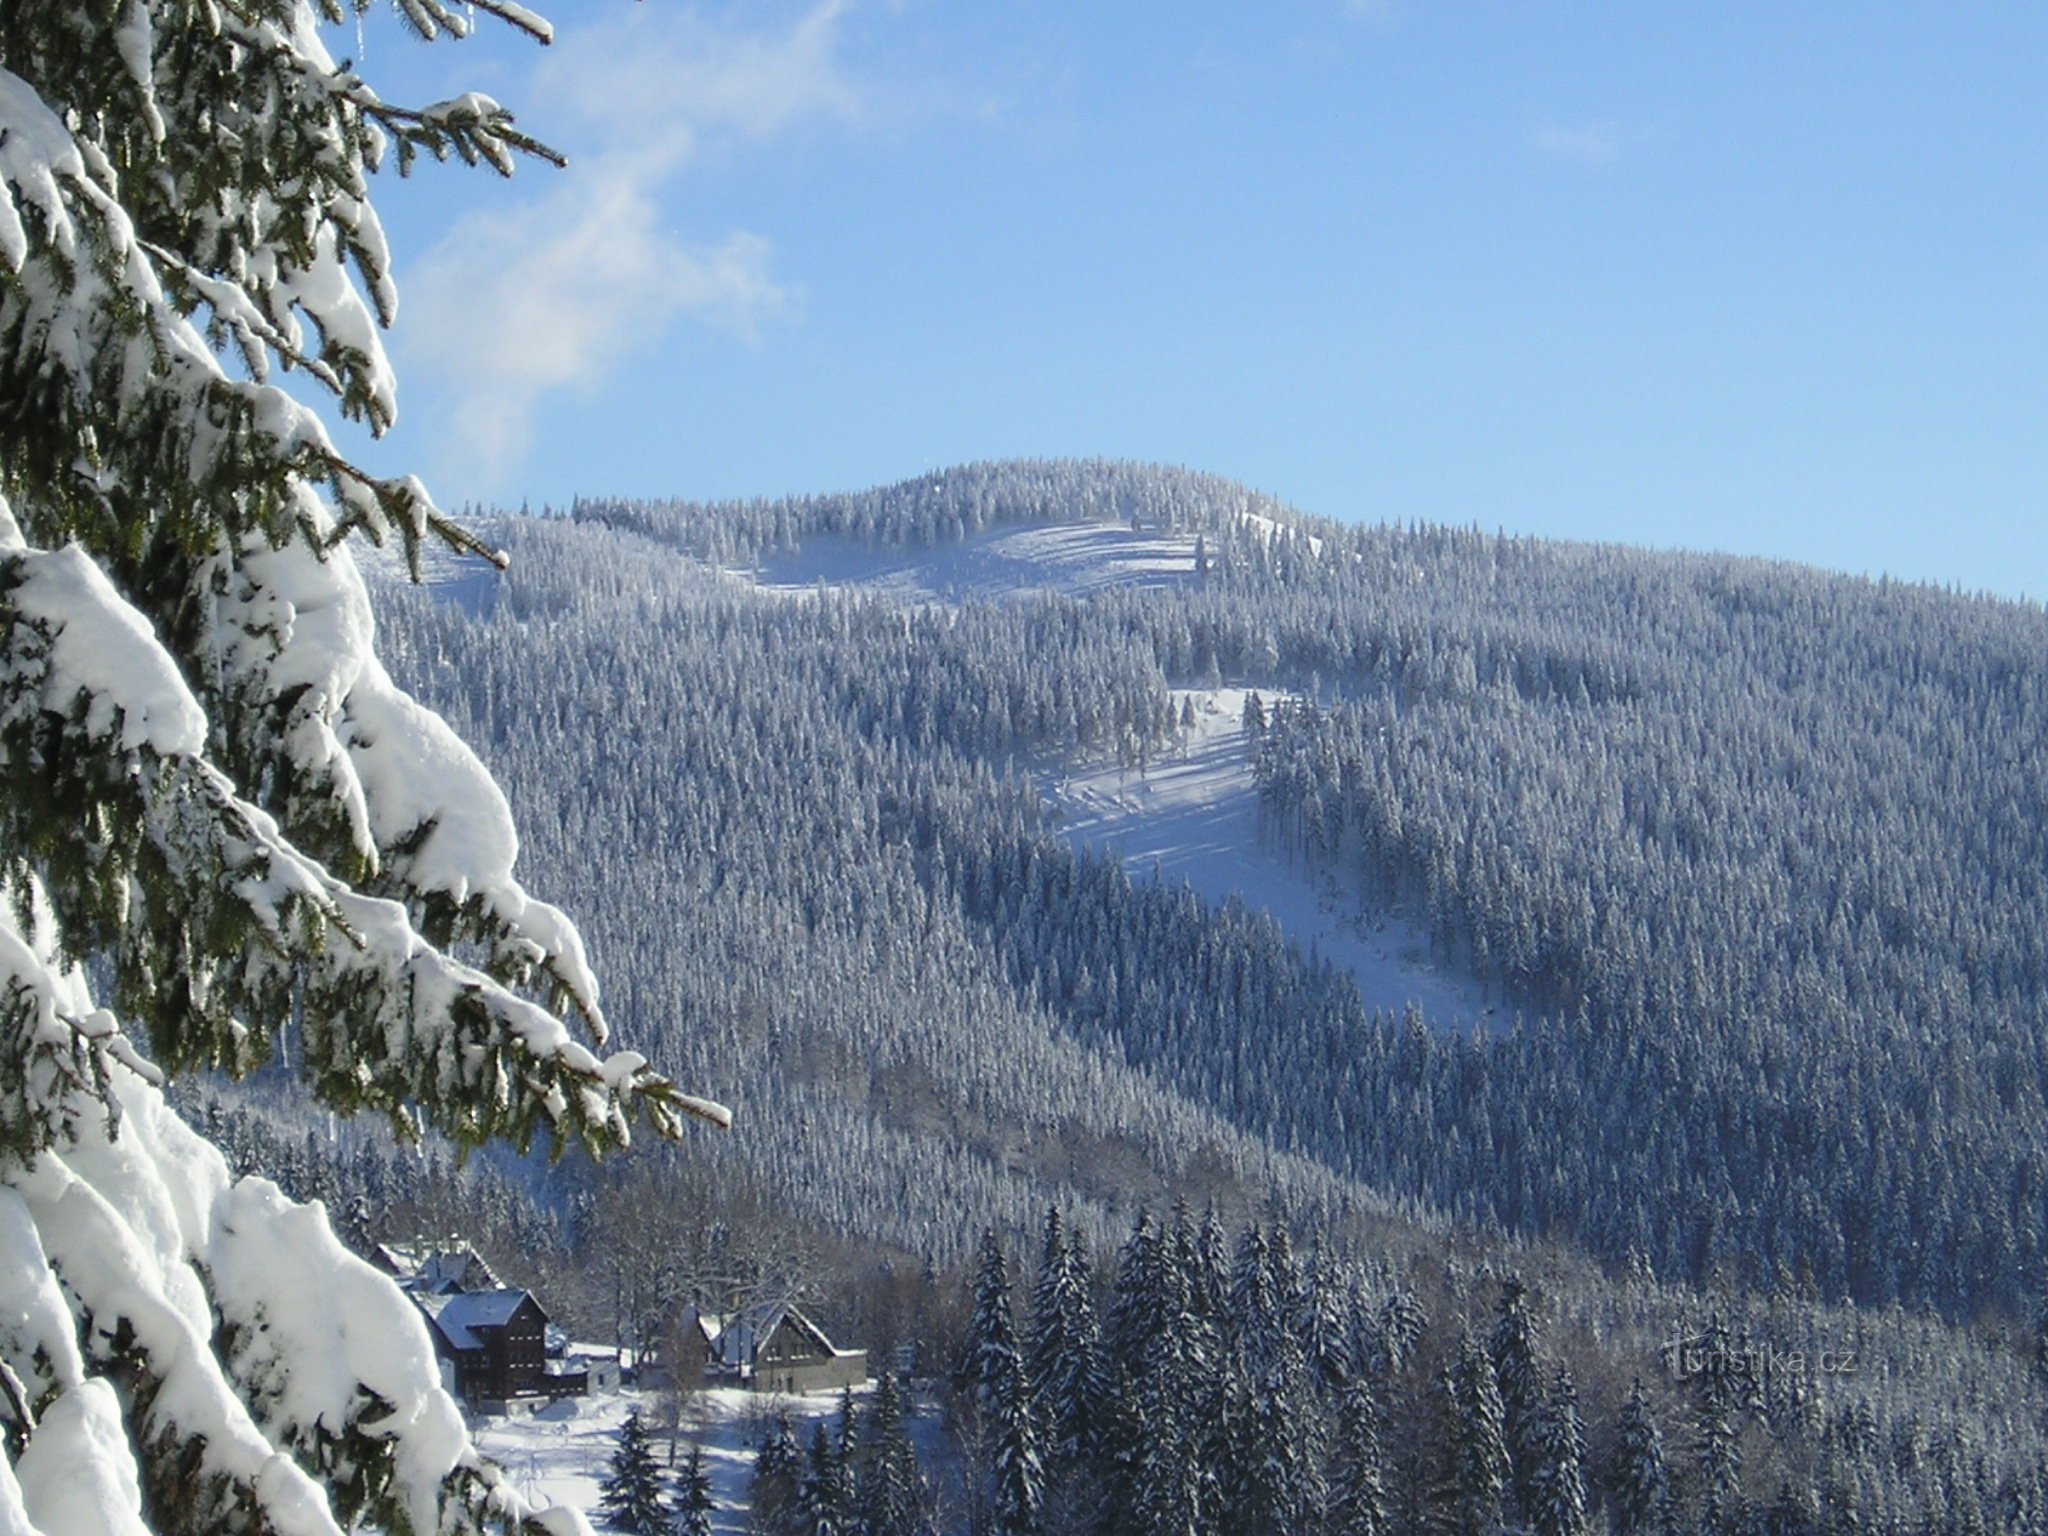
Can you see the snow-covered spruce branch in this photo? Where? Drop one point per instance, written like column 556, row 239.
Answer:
column 249, row 451
column 257, row 335
column 472, row 126
column 400, row 502
column 209, row 784
column 390, row 1022
column 73, row 270
column 55, row 1055
column 362, row 777
column 153, row 1341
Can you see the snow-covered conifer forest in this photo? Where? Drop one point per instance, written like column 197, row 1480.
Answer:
column 1654, row 808
column 1647, row 1132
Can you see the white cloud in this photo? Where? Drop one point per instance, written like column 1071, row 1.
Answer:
column 1593, row 144
column 665, row 73
column 555, row 293
column 511, row 306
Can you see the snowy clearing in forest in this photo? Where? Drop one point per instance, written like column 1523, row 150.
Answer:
column 1069, row 558
column 563, row 1462
column 1194, row 816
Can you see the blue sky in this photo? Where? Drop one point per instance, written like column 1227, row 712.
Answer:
column 1762, row 278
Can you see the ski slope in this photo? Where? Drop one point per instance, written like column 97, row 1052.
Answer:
column 1194, row 817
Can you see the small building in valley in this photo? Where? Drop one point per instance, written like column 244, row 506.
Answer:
column 775, row 1348
column 492, row 1339
column 435, row 1266
column 496, row 1342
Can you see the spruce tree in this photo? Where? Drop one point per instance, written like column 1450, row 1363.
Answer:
column 1131, row 1351
column 630, row 1497
column 888, row 1491
column 846, row 1440
column 1720, row 1390
column 1402, row 1324
column 1063, row 1349
column 1636, row 1476
column 822, row 1499
column 1358, row 1483
column 1328, row 1340
column 693, row 1505
column 1067, row 1369
column 1209, row 1275
column 772, row 1505
column 1014, row 1475
column 1515, row 1366
column 1159, row 1483
column 211, row 789
column 1557, row 1481
column 1270, row 1478
column 1473, row 1446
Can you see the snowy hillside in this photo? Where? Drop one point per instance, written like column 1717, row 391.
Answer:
column 1192, row 815
column 1074, row 559
column 1634, row 798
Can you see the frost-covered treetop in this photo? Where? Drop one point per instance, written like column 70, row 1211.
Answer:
column 210, row 785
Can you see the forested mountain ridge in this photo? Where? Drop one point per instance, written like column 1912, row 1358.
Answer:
column 807, row 843
column 947, row 506
column 1766, row 845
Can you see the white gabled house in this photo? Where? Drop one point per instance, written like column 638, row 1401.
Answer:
column 774, row 1348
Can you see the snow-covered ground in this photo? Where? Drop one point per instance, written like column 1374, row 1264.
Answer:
column 1070, row 558
column 564, row 1461
column 1193, row 816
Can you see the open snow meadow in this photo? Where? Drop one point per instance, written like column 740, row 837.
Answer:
column 558, row 1458
column 1071, row 559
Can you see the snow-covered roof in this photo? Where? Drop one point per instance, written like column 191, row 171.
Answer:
column 446, row 1265
column 458, row 1314
column 736, row 1337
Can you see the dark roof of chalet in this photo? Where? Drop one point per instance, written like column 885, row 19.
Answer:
column 458, row 1314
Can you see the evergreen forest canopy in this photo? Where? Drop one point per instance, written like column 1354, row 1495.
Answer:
column 1652, row 799
column 1756, row 852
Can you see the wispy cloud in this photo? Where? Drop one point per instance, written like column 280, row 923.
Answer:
column 1589, row 144
column 674, row 78
column 555, row 293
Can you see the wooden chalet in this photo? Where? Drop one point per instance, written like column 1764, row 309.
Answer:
column 496, row 1340
column 492, row 1338
column 776, row 1349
